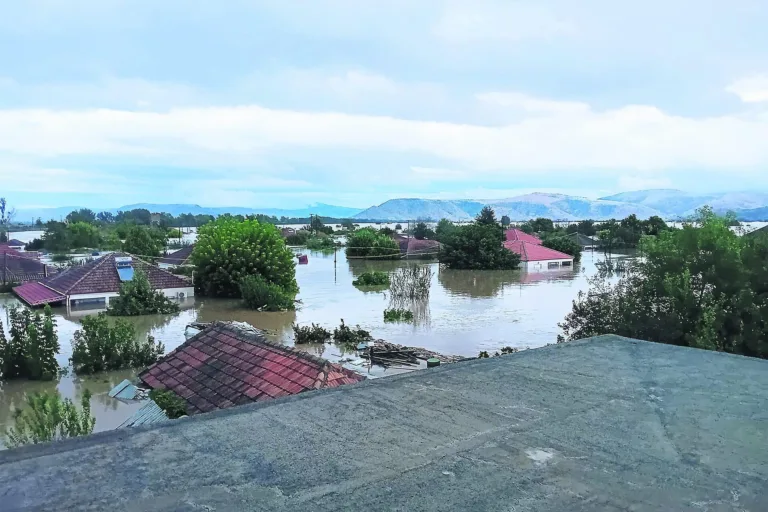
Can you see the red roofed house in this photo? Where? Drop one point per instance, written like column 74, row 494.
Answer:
column 533, row 255
column 20, row 267
column 98, row 280
column 230, row 364
column 411, row 247
column 178, row 258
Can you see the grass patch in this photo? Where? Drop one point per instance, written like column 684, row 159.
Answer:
column 375, row 278
column 310, row 334
column 398, row 315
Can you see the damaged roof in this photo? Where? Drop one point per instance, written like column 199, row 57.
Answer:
column 231, row 364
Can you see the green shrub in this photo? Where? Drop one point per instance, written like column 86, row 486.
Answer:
column 49, row 418
column 398, row 315
column 60, row 258
column 262, row 295
column 172, row 404
column 369, row 243
column 30, row 351
column 321, row 243
column 344, row 335
column 375, row 278
column 478, row 246
column 300, row 238
column 35, row 245
column 99, row 347
column 136, row 297
column 228, row 250
column 141, row 241
column 310, row 334
column 564, row 244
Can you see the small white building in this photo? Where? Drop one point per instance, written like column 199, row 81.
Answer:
column 97, row 281
column 533, row 255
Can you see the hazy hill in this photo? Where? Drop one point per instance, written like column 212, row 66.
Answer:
column 676, row 203
column 426, row 209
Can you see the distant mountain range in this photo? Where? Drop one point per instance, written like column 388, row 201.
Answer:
column 666, row 203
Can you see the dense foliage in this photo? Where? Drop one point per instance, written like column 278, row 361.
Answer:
column 172, row 404
column 47, row 417
column 374, row 278
column 261, row 295
column 562, row 243
column 229, row 250
column 300, row 238
column 422, row 232
column 141, row 242
column 99, row 347
column 369, row 243
column 310, row 334
column 137, row 297
column 698, row 286
column 478, row 246
column 398, row 315
column 31, row 348
column 444, row 230
column 321, row 242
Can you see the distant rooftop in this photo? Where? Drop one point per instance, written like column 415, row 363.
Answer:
column 180, row 257
column 534, row 252
column 518, row 235
column 602, row 424
column 231, row 364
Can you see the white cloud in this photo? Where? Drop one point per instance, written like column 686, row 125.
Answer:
column 504, row 20
column 530, row 104
column 752, row 89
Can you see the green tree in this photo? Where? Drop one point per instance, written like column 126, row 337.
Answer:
column 30, row 351
column 105, row 217
column 700, row 286
column 486, row 216
column 137, row 297
column 444, row 230
column 369, row 243
column 527, row 227
column 56, row 236
column 82, row 234
column 227, row 251
column 49, row 418
column 6, row 218
column 139, row 241
column 542, row 225
column 99, row 347
column 348, row 224
column 654, row 225
column 422, row 231
column 478, row 246
column 505, row 221
column 261, row 295
column 82, row 215
column 561, row 242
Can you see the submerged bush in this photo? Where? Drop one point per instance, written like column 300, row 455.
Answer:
column 49, row 418
column 262, row 295
column 300, row 238
column 411, row 282
column 369, row 243
column 344, row 335
column 310, row 334
column 375, row 278
column 172, row 404
column 137, row 297
column 398, row 315
column 318, row 243
column 99, row 347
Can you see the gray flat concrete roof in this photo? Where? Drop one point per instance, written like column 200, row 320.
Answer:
column 602, row 424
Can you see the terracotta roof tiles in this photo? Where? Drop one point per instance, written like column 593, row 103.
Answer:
column 232, row 364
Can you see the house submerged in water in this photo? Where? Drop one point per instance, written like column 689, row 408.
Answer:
column 99, row 280
column 533, row 255
column 21, row 267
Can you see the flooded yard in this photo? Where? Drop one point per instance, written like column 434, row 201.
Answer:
column 467, row 312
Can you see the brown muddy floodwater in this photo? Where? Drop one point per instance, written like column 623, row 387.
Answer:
column 467, row 311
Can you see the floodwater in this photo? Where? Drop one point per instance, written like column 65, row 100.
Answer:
column 467, row 312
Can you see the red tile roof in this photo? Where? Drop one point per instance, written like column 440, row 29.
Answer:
column 17, row 268
column 35, row 294
column 231, row 364
column 534, row 252
column 180, row 257
column 100, row 276
column 516, row 235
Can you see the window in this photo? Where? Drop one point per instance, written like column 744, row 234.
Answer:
column 553, row 264
column 566, row 264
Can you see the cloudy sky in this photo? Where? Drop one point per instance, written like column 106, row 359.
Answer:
column 352, row 102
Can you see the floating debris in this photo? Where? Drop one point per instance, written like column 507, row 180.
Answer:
column 387, row 354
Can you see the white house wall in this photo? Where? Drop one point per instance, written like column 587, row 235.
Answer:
column 172, row 293
column 544, row 264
